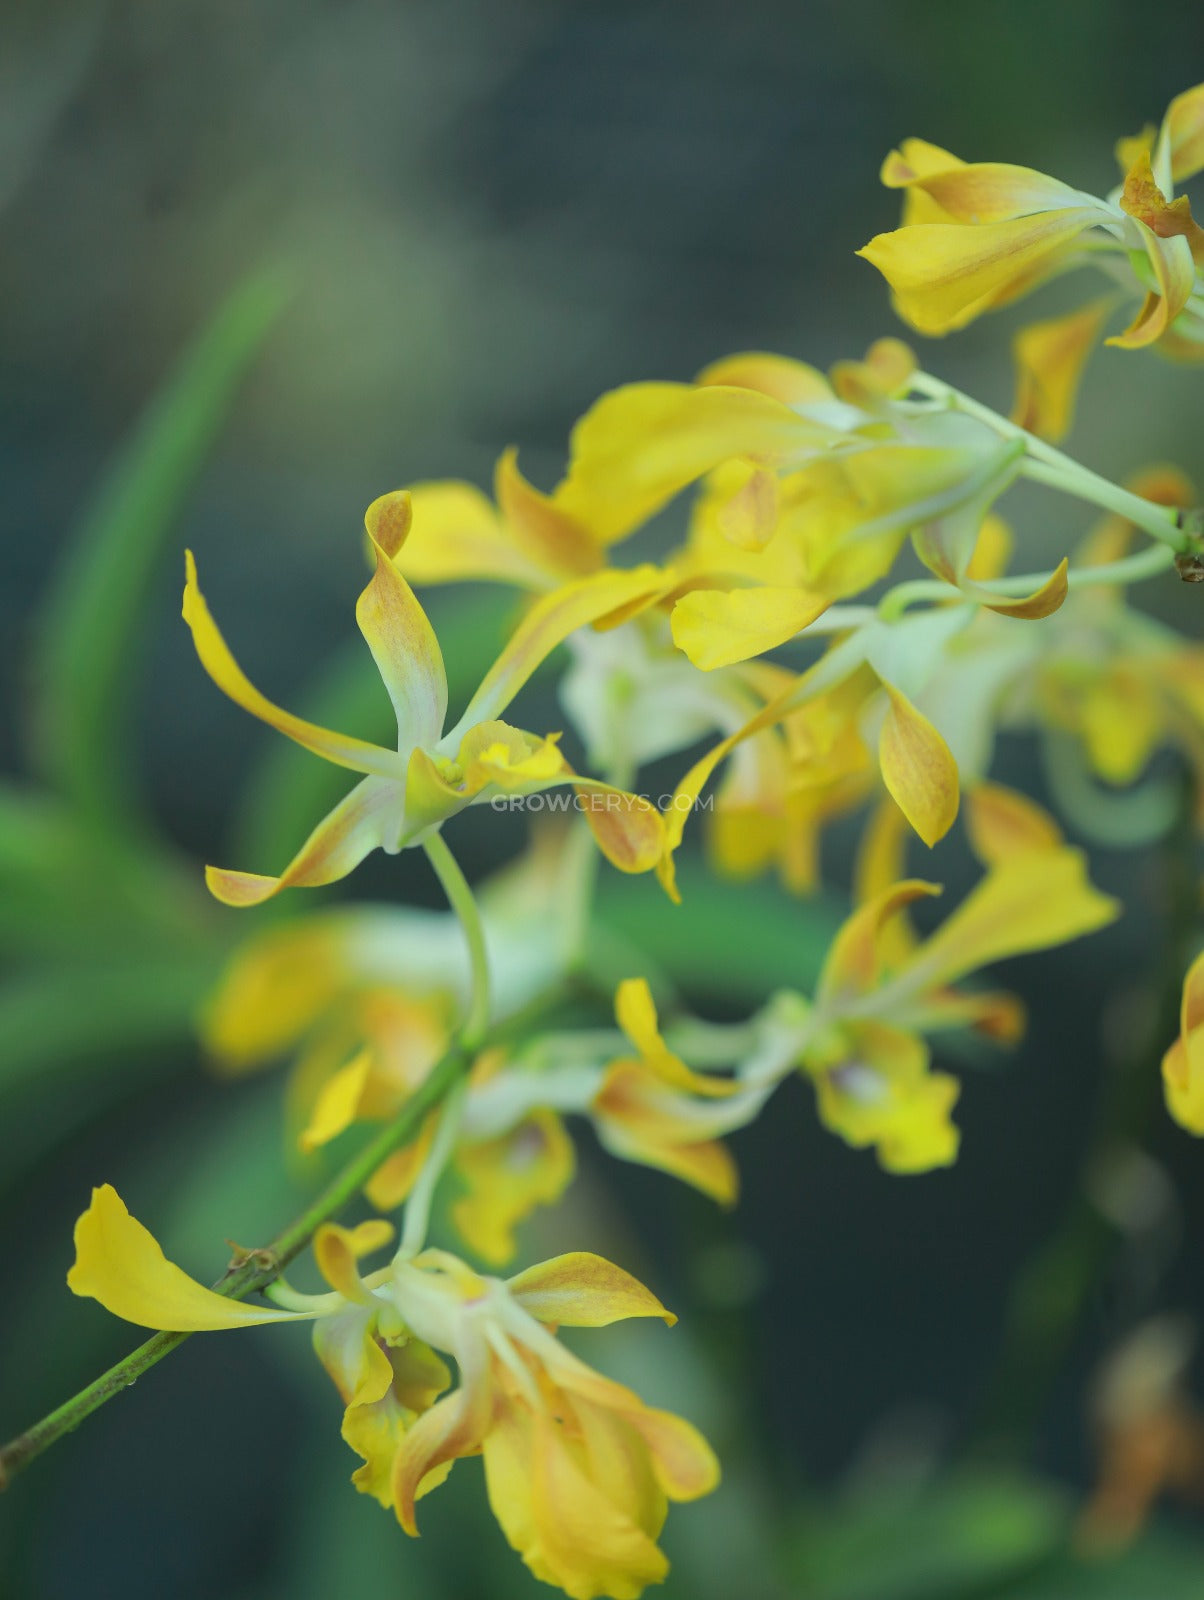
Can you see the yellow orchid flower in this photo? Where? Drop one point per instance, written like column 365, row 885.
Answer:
column 862, row 1038
column 384, row 1375
column 379, row 1014
column 407, row 793
column 976, row 236
column 1183, row 1063
column 578, row 1469
column 868, row 683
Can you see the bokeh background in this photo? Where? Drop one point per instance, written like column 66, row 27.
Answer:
column 486, row 214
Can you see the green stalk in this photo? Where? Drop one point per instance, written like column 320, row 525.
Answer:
column 1044, row 464
column 254, row 1271
column 460, row 899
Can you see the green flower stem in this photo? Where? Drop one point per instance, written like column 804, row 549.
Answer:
column 1147, row 563
column 418, row 1206
column 253, row 1270
column 1046, row 465
column 460, row 898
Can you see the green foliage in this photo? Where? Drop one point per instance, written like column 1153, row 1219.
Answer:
column 84, row 661
column 947, row 1541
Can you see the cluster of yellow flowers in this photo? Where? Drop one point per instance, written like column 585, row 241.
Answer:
column 809, row 488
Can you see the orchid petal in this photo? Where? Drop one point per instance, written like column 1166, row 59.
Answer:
column 640, row 445
column 1030, row 901
column 714, row 629
column 366, row 820
column 918, row 769
column 945, row 274
column 549, row 623
column 1050, row 357
column 406, row 651
column 228, row 675
column 582, row 1290
column 120, row 1263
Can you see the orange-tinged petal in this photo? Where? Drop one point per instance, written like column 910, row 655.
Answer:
column 1044, row 600
column 228, row 675
column 582, row 1290
column 918, row 769
column 336, row 1250
column 1169, row 219
column 584, row 1544
column 882, row 862
column 640, row 445
column 120, row 1263
column 555, row 541
column 855, row 956
column 389, row 521
column 457, row 534
column 530, row 1165
column 916, row 158
column 715, row 629
column 1050, row 359
column 629, row 830
column 946, row 274
column 407, row 655
column 1001, row 823
column 635, row 1012
column 685, row 1465
column 367, row 820
column 549, row 623
column 637, row 1119
column 978, row 193
column 453, row 1427
column 1030, row 901
column 1175, row 275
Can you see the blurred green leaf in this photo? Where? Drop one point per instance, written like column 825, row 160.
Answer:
column 61, row 894
column 947, row 1541
column 83, row 657
column 1161, row 1567
column 52, row 1016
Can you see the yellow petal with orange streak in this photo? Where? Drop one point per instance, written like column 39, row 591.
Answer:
column 918, row 769
column 1050, row 358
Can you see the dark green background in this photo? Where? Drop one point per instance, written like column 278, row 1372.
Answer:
column 491, row 212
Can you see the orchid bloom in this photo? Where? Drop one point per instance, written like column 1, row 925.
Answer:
column 976, row 236
column 408, row 793
column 579, row 1471
column 368, row 997
column 862, row 1038
column 921, row 692
column 811, row 484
